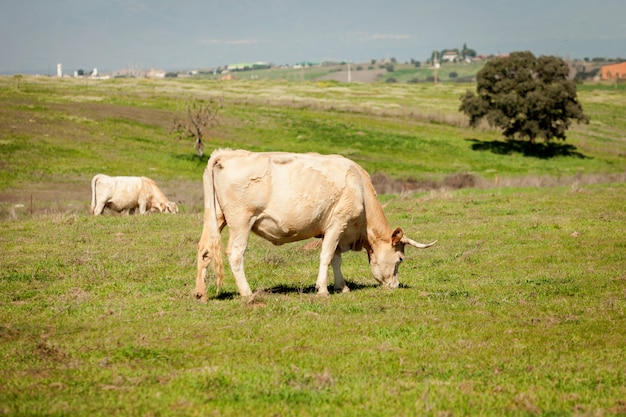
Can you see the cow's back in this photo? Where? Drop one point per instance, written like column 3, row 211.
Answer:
column 120, row 193
column 287, row 197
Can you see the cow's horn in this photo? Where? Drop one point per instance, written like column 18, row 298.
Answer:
column 415, row 244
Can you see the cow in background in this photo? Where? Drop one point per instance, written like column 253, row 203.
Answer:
column 127, row 194
column 286, row 197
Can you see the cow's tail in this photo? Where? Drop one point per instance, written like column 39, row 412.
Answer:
column 211, row 230
column 94, row 181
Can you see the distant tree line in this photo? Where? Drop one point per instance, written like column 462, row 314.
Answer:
column 602, row 60
column 252, row 67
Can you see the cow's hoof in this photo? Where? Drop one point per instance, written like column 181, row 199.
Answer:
column 246, row 294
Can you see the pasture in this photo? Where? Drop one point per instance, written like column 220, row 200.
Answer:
column 520, row 309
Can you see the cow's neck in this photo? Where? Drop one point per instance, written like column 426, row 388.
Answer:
column 378, row 230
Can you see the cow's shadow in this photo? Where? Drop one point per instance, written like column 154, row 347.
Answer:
column 298, row 289
column 541, row 150
column 310, row 289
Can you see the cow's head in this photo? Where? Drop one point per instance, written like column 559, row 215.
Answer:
column 171, row 207
column 167, row 207
column 385, row 258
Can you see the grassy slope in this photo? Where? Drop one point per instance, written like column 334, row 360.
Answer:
column 64, row 130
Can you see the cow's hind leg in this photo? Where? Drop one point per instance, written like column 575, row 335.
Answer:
column 237, row 243
column 203, row 263
column 200, row 291
column 340, row 283
column 98, row 209
column 99, row 205
column 209, row 250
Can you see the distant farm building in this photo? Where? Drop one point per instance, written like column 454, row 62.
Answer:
column 614, row 72
column 450, row 56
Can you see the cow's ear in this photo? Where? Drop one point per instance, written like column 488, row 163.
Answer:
column 396, row 236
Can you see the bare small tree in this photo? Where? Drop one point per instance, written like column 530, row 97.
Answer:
column 199, row 118
column 18, row 78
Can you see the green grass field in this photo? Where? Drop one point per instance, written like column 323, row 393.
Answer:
column 401, row 72
column 520, row 308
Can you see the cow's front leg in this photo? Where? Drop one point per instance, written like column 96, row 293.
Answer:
column 235, row 251
column 329, row 244
column 340, row 283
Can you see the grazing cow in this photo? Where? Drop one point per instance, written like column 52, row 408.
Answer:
column 126, row 194
column 286, row 197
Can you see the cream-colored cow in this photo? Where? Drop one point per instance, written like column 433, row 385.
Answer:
column 286, row 197
column 126, row 194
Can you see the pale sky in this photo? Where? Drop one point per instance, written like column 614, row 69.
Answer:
column 109, row 35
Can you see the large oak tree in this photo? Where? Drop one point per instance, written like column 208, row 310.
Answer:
column 525, row 96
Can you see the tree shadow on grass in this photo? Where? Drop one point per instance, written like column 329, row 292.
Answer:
column 541, row 150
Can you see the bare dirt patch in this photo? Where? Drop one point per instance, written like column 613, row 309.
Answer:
column 386, row 185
